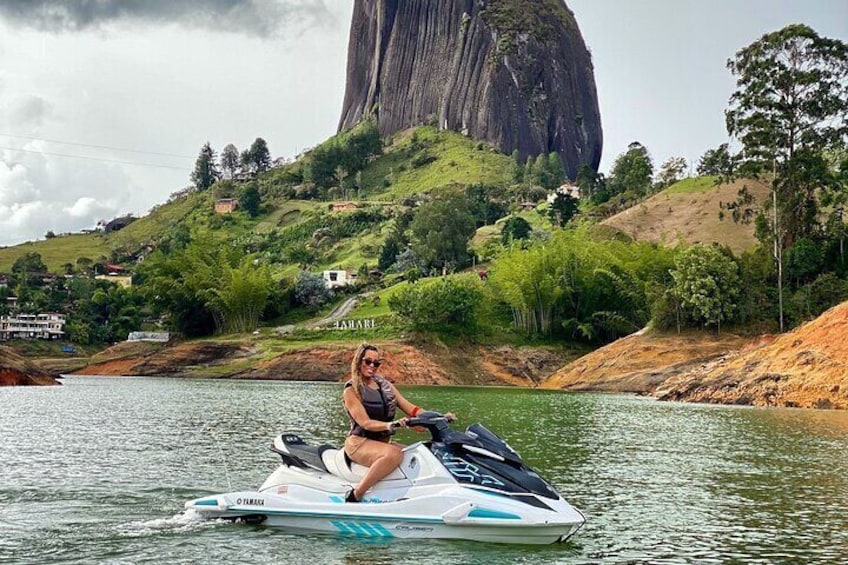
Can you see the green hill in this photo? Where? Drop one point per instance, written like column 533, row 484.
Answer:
column 412, row 163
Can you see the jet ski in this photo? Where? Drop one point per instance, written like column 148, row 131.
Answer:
column 467, row 485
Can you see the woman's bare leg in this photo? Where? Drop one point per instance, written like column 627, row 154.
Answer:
column 382, row 458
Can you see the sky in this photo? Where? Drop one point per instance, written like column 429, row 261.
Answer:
column 104, row 105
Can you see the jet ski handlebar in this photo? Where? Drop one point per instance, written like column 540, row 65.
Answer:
column 435, row 422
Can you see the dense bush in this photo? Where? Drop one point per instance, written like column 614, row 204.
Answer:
column 449, row 304
column 311, row 290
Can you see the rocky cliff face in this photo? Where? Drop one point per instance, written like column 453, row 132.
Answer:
column 512, row 72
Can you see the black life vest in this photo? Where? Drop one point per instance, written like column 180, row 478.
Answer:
column 380, row 404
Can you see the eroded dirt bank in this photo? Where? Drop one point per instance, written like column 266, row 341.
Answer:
column 807, row 368
column 17, row 371
column 409, row 363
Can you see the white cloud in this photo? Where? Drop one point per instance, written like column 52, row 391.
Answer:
column 14, row 185
column 159, row 90
column 41, row 192
column 88, row 207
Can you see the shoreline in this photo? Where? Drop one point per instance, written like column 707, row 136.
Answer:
column 804, row 368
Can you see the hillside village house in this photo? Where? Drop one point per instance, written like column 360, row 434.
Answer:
column 32, row 326
column 226, row 205
column 116, row 274
column 343, row 206
column 336, row 279
column 566, row 189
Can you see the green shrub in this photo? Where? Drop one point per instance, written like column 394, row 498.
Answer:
column 449, row 304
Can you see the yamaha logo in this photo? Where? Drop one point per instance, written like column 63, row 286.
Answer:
column 251, row 501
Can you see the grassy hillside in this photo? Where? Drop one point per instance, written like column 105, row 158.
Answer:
column 688, row 212
column 416, row 161
column 424, row 158
column 57, row 251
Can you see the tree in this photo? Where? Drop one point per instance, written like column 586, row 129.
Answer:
column 671, row 171
column 257, row 159
column 486, row 202
column 515, row 228
column 84, row 263
column 563, row 208
column 29, row 262
column 516, row 167
column 803, row 260
column 556, row 169
column 237, row 295
column 540, row 172
column 589, row 181
column 205, row 170
column 250, row 200
column 789, row 107
column 718, row 162
column 442, row 229
column 408, row 260
column 632, row 172
column 360, row 144
column 311, row 290
column 230, row 160
column 706, row 284
column 394, row 244
column 207, row 287
column 449, row 303
column 300, row 254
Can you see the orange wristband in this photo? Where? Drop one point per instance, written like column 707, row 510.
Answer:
column 415, row 411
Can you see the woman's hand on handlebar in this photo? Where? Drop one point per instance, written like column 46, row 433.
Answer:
column 450, row 417
column 402, row 423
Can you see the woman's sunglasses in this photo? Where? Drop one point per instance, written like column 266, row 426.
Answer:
column 371, row 362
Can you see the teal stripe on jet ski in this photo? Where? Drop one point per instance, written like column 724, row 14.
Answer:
column 206, row 503
column 359, row 529
column 377, row 530
column 487, row 513
column 382, row 530
column 344, row 528
column 335, row 515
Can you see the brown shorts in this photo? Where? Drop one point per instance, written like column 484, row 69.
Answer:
column 365, row 451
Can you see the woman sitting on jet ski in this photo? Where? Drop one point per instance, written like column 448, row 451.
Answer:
column 371, row 402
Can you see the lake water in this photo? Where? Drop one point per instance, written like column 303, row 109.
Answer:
column 97, row 471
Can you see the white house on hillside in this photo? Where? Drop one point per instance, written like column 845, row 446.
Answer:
column 32, row 326
column 336, row 279
column 565, row 189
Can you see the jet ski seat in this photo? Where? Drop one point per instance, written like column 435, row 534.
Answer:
column 302, row 454
column 340, row 465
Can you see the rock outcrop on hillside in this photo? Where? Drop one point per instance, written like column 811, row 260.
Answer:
column 516, row 74
column 642, row 361
column 17, row 371
column 807, row 368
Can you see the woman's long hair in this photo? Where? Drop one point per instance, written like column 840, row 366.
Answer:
column 356, row 367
